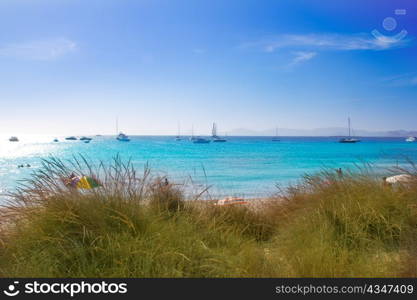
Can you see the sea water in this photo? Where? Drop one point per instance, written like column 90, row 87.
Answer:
column 244, row 166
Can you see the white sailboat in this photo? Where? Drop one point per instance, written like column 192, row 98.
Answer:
column 192, row 138
column 216, row 138
column 410, row 139
column 349, row 139
column 276, row 138
column 178, row 137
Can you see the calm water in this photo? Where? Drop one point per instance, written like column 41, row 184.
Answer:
column 249, row 166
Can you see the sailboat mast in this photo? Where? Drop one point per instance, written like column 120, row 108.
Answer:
column 349, row 125
column 117, row 126
column 214, row 130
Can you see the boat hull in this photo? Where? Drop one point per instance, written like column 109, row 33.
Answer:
column 201, row 141
column 349, row 141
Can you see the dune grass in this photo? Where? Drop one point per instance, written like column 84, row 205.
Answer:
column 136, row 225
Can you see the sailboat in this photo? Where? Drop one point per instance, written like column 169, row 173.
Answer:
column 411, row 139
column 349, row 139
column 216, row 138
column 121, row 137
column 276, row 139
column 192, row 138
column 178, row 137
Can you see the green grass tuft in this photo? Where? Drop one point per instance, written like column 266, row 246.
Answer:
column 140, row 226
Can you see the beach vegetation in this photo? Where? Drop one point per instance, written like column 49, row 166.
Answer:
column 139, row 225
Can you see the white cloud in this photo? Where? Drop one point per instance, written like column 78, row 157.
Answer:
column 302, row 56
column 49, row 49
column 408, row 79
column 329, row 42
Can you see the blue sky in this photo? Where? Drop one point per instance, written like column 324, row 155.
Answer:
column 73, row 66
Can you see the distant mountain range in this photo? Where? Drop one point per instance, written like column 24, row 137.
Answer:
column 331, row 131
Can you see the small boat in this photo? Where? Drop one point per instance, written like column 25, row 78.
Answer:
column 84, row 138
column 349, row 139
column 215, row 137
column 13, row 139
column 178, row 137
column 411, row 139
column 192, row 138
column 276, row 139
column 201, row 141
column 71, row 138
column 122, row 137
column 56, row 140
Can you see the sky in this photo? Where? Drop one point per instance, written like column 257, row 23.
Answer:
column 74, row 66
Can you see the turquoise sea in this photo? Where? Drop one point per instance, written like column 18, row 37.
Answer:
column 244, row 166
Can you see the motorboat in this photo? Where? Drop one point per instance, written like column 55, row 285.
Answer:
column 122, row 137
column 13, row 139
